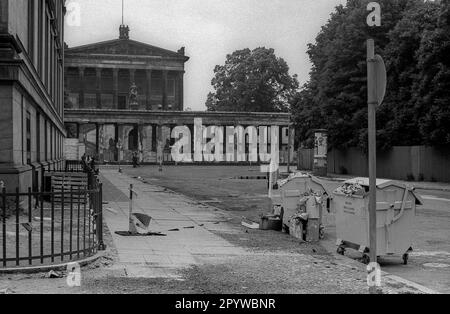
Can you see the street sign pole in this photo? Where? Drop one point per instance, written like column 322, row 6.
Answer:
column 372, row 105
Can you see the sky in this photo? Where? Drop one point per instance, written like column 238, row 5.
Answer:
column 209, row 29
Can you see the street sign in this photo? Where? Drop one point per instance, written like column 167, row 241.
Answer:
column 380, row 79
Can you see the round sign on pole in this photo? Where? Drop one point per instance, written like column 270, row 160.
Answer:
column 381, row 78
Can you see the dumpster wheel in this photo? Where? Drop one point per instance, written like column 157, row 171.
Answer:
column 405, row 258
column 365, row 259
column 340, row 250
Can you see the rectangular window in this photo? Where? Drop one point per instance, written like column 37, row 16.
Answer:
column 28, row 135
column 40, row 37
column 46, row 140
column 31, row 29
column 171, row 88
column 74, row 100
column 90, row 101
column 38, row 137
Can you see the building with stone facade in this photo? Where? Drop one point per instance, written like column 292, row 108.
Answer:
column 31, row 89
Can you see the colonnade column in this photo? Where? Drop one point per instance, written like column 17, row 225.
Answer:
column 98, row 72
column 164, row 90
column 116, row 88
column 181, row 91
column 149, row 89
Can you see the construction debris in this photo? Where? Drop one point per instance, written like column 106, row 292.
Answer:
column 53, row 275
column 250, row 225
column 352, row 189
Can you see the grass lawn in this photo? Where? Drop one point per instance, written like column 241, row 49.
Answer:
column 219, row 186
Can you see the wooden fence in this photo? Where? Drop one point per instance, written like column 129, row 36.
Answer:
column 415, row 163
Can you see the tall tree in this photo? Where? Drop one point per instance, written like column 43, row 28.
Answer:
column 252, row 80
column 337, row 91
column 432, row 85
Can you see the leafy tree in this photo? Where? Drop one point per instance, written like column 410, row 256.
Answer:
column 432, row 85
column 252, row 80
column 336, row 96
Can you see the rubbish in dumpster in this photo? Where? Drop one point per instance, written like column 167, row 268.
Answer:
column 352, row 189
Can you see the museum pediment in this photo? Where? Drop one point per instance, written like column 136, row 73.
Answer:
column 125, row 47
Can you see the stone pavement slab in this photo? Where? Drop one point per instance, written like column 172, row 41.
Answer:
column 156, row 257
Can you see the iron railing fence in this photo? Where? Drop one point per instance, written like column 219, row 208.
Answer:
column 51, row 226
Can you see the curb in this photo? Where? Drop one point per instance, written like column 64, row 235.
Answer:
column 47, row 268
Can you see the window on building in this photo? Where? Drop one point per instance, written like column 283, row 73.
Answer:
column 31, row 20
column 45, row 140
column 156, row 86
column 90, row 101
column 107, row 101
column 74, row 100
column 72, row 130
column 171, row 88
column 28, row 137
column 38, row 137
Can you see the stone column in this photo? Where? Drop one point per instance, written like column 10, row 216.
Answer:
column 98, row 72
column 160, row 144
column 132, row 76
column 149, row 89
column 164, row 90
column 181, row 91
column 81, row 92
column 116, row 88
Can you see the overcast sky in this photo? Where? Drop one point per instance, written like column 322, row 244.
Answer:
column 209, row 29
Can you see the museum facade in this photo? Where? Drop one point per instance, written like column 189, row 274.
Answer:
column 31, row 90
column 125, row 97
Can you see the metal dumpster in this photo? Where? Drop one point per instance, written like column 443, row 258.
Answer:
column 293, row 189
column 396, row 209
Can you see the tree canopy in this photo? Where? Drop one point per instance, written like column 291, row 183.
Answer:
column 253, row 81
column 414, row 41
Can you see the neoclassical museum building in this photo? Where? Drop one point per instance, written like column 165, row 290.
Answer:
column 124, row 96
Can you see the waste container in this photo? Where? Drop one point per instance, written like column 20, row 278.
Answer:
column 396, row 209
column 303, row 193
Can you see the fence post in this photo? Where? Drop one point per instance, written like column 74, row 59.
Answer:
column 4, row 225
column 101, row 244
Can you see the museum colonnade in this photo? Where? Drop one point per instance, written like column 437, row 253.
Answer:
column 115, row 142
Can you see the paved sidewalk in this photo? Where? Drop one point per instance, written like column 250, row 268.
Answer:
column 201, row 257
column 162, row 257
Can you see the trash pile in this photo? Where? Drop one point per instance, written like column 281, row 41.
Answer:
column 352, row 189
column 306, row 223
